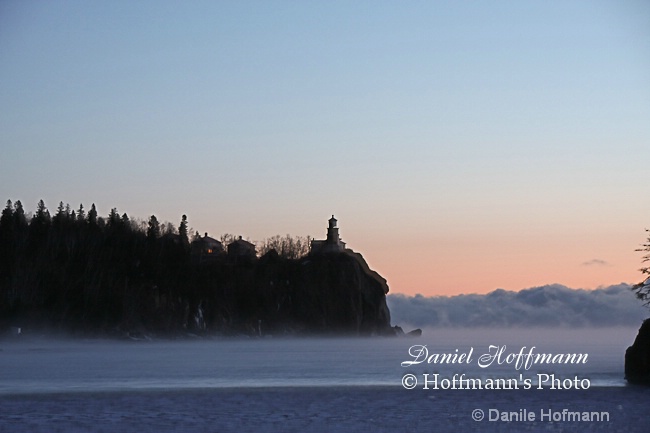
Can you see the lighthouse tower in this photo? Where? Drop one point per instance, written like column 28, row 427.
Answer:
column 332, row 244
column 333, row 232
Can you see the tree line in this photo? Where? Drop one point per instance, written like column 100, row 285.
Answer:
column 78, row 270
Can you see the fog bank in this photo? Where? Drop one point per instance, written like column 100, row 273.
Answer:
column 552, row 305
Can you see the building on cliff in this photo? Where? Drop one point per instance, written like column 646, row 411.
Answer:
column 206, row 248
column 242, row 248
column 333, row 243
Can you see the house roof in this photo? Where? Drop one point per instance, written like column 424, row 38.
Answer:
column 242, row 242
column 208, row 240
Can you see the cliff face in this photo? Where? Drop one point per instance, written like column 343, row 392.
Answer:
column 328, row 293
column 339, row 293
column 334, row 293
column 637, row 357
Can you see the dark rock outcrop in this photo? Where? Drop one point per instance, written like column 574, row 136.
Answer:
column 339, row 293
column 415, row 333
column 327, row 293
column 637, row 357
column 333, row 293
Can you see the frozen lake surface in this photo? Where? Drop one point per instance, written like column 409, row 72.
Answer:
column 317, row 384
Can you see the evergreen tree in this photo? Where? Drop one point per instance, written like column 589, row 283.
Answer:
column 42, row 214
column 182, row 230
column 92, row 215
column 114, row 219
column 41, row 220
column 81, row 215
column 153, row 229
column 125, row 220
column 38, row 228
column 62, row 214
column 60, row 210
column 7, row 218
column 7, row 248
column 20, row 220
column 7, row 231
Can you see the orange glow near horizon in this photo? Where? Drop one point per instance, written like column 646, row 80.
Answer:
column 471, row 266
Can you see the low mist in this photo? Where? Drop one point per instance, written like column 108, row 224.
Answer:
column 547, row 306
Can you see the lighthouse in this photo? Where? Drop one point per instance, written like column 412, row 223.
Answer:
column 333, row 243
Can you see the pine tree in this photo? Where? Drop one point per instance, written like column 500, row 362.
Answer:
column 114, row 219
column 81, row 215
column 61, row 214
column 7, row 245
column 20, row 220
column 7, row 218
column 6, row 230
column 42, row 214
column 182, row 230
column 61, row 209
column 153, row 229
column 38, row 228
column 92, row 215
column 125, row 220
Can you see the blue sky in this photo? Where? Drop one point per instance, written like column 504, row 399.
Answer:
column 504, row 140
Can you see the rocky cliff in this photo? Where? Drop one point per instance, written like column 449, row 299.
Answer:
column 333, row 293
column 637, row 357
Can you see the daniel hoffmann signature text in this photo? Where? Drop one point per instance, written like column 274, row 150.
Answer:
column 522, row 360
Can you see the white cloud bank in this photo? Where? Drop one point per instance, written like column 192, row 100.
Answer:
column 547, row 306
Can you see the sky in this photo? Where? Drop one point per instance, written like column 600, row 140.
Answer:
column 463, row 146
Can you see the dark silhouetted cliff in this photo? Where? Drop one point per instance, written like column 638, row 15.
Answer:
column 80, row 273
column 330, row 293
column 637, row 357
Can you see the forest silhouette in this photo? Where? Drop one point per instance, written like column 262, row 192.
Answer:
column 79, row 273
